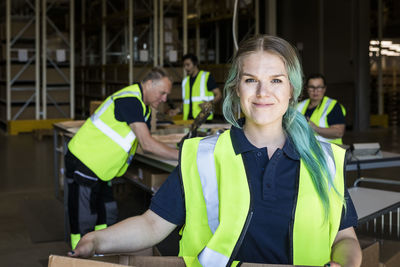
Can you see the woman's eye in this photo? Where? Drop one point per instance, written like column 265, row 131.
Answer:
column 249, row 80
column 276, row 81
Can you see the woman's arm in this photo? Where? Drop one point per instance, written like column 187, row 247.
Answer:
column 129, row 235
column 345, row 249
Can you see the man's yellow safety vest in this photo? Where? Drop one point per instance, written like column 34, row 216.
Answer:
column 104, row 144
column 218, row 205
column 320, row 115
column 200, row 94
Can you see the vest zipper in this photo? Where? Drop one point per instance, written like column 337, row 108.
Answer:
column 291, row 224
column 245, row 227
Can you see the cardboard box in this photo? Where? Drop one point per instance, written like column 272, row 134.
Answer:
column 370, row 252
column 27, row 75
column 138, row 261
column 94, row 105
column 389, row 253
column 54, row 77
column 55, row 113
column 28, row 113
column 152, row 178
column 16, row 27
column 15, row 49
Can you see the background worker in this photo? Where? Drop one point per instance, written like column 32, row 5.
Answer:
column 197, row 87
column 104, row 147
column 265, row 191
column 325, row 115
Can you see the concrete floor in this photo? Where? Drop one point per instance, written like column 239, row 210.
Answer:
column 26, row 174
column 26, row 171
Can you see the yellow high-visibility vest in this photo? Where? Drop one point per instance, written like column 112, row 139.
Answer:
column 320, row 115
column 200, row 94
column 104, row 144
column 217, row 202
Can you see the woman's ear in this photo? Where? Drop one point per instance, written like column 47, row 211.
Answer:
column 237, row 91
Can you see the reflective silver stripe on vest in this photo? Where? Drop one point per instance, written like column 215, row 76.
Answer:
column 183, row 88
column 323, row 139
column 86, row 176
column 208, row 178
column 209, row 257
column 322, row 120
column 300, row 106
column 330, row 160
column 202, row 96
column 203, row 84
column 124, row 142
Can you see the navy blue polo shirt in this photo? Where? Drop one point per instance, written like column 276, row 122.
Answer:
column 273, row 187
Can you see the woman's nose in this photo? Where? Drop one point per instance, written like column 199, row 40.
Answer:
column 263, row 89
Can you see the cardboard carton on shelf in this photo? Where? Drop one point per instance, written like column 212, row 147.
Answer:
column 16, row 27
column 94, row 104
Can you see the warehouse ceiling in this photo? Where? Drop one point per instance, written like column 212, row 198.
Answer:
column 391, row 19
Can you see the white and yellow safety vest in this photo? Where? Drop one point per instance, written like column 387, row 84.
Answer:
column 200, row 94
column 320, row 116
column 104, row 144
column 219, row 209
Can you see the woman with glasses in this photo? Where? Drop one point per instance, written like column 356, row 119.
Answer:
column 325, row 115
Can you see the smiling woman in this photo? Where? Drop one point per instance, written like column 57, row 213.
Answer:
column 265, row 191
column 264, row 93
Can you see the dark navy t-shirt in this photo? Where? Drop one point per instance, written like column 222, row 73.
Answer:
column 129, row 109
column 336, row 115
column 273, row 188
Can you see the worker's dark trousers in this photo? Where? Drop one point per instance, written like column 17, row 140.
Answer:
column 90, row 200
column 87, row 204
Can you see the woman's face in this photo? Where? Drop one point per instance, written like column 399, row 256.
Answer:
column 264, row 89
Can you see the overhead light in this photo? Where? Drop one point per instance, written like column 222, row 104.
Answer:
column 374, row 42
column 386, row 43
column 372, row 48
column 394, row 47
column 389, row 53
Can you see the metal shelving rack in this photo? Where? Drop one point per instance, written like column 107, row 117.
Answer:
column 127, row 25
column 20, row 84
column 30, row 97
column 58, row 92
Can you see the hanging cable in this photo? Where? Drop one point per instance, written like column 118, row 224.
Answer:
column 234, row 25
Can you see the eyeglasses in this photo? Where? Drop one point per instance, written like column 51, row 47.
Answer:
column 318, row 88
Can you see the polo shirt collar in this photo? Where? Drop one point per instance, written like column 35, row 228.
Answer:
column 241, row 144
column 141, row 89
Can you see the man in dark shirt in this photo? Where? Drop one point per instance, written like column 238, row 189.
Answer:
column 198, row 87
column 98, row 151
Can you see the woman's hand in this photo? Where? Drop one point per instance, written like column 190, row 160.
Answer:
column 332, row 264
column 86, row 247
